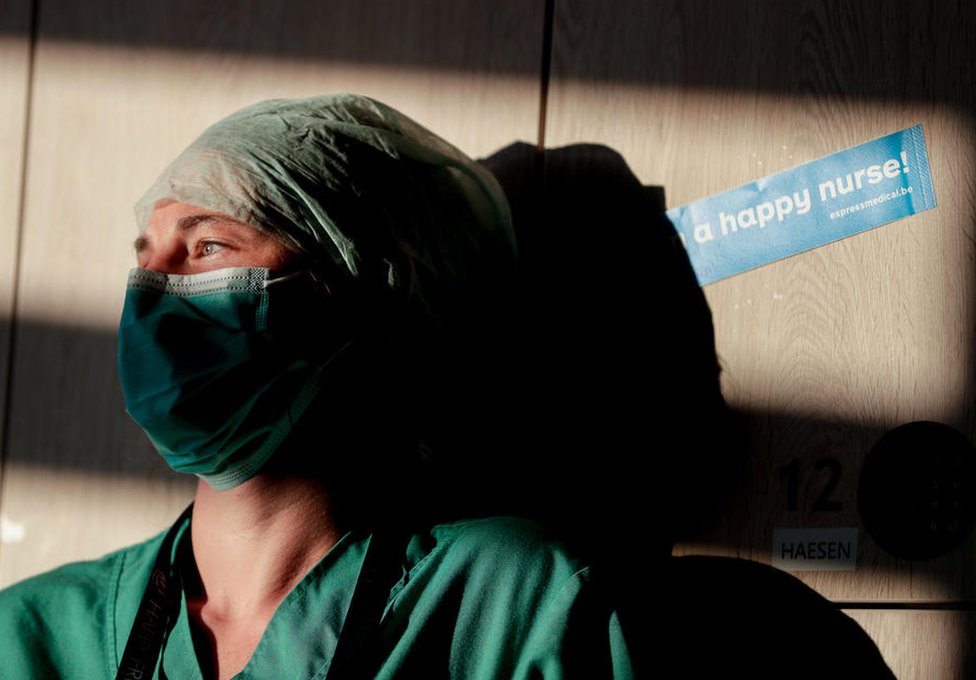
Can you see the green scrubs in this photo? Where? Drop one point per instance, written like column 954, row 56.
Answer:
column 491, row 598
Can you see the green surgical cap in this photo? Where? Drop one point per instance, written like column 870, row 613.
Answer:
column 371, row 198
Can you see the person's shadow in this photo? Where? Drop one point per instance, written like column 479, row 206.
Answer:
column 618, row 434
column 620, row 411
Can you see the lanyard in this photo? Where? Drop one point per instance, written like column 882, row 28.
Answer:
column 160, row 607
column 157, row 612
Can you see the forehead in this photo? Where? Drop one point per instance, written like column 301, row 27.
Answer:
column 170, row 215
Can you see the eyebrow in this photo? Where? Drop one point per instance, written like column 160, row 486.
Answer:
column 185, row 223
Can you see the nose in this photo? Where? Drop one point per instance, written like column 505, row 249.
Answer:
column 163, row 246
column 166, row 258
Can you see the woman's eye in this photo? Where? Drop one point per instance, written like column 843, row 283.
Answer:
column 210, row 248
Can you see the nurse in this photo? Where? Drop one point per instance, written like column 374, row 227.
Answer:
column 319, row 285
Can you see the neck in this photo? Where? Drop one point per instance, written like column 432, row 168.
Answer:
column 252, row 545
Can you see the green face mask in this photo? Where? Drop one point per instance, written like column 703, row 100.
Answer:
column 217, row 368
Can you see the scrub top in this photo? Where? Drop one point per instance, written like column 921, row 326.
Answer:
column 489, row 598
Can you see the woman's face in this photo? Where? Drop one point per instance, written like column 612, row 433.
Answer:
column 185, row 239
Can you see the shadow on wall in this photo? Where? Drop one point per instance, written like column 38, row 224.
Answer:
column 66, row 409
column 872, row 49
column 414, row 35
column 617, row 356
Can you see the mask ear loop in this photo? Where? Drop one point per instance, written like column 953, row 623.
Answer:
column 283, row 278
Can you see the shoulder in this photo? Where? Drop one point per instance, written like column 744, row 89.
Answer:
column 502, row 597
column 497, row 533
column 504, row 545
column 46, row 619
column 504, row 565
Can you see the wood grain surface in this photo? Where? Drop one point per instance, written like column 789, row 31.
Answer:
column 825, row 351
column 919, row 645
column 120, row 89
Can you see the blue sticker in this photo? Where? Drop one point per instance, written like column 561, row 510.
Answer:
column 807, row 206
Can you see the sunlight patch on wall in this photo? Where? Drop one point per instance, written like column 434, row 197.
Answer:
column 921, row 644
column 14, row 56
column 52, row 516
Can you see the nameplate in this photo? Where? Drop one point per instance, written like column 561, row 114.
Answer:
column 833, row 549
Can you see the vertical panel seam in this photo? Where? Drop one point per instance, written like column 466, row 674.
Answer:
column 18, row 249
column 547, row 30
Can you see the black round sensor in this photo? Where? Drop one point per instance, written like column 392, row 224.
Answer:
column 917, row 490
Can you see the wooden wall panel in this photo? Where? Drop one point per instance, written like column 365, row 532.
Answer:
column 14, row 74
column 825, row 351
column 120, row 89
column 919, row 645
